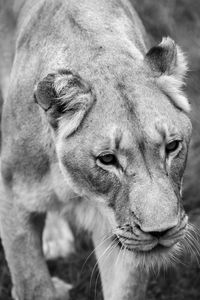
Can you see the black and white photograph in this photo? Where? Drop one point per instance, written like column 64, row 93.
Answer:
column 99, row 150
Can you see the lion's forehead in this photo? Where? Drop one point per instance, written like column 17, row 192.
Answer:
column 142, row 124
column 130, row 138
column 137, row 112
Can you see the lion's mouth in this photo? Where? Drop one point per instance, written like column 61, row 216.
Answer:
column 149, row 246
column 150, row 255
column 149, row 251
column 135, row 240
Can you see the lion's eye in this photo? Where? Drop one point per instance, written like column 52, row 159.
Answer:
column 108, row 159
column 172, row 146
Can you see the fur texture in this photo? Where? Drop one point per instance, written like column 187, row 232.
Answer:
column 98, row 143
column 170, row 66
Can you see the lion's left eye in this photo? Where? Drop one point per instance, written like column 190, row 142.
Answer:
column 172, row 146
column 108, row 159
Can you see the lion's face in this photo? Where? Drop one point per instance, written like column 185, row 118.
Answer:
column 129, row 153
column 133, row 164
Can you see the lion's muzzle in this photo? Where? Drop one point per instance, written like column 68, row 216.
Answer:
column 135, row 239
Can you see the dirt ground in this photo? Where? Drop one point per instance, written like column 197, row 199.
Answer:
column 179, row 19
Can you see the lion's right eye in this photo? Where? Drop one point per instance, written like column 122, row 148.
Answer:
column 107, row 159
column 172, row 146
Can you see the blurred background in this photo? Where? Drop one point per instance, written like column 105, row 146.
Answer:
column 179, row 19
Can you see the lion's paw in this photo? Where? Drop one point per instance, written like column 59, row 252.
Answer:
column 58, row 240
column 62, row 288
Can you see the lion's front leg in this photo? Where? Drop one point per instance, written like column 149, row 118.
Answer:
column 121, row 280
column 21, row 236
column 22, row 240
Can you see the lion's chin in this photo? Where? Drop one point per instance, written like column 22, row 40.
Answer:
column 156, row 258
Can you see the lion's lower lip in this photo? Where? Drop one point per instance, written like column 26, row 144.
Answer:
column 159, row 248
column 139, row 247
column 153, row 246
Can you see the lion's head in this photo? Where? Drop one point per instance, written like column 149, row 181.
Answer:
column 122, row 135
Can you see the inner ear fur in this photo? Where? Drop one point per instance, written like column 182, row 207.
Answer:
column 65, row 97
column 169, row 66
column 167, row 58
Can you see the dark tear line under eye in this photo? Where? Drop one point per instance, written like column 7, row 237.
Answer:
column 103, row 181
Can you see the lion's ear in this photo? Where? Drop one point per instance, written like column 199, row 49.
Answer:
column 169, row 66
column 167, row 58
column 64, row 96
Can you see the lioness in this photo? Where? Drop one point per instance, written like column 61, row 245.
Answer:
column 95, row 122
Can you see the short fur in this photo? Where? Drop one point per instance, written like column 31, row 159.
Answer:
column 171, row 80
column 79, row 83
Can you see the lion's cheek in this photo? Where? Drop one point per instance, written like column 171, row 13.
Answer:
column 176, row 172
column 90, row 179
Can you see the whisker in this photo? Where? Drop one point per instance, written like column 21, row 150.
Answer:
column 98, row 260
column 188, row 248
column 191, row 243
column 97, row 263
column 124, row 253
column 104, row 258
column 195, row 230
column 118, row 253
column 100, row 244
column 175, row 257
column 194, row 242
column 95, row 289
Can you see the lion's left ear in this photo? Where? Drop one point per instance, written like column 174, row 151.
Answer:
column 169, row 66
column 167, row 58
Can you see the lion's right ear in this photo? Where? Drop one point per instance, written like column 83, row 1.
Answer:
column 64, row 96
